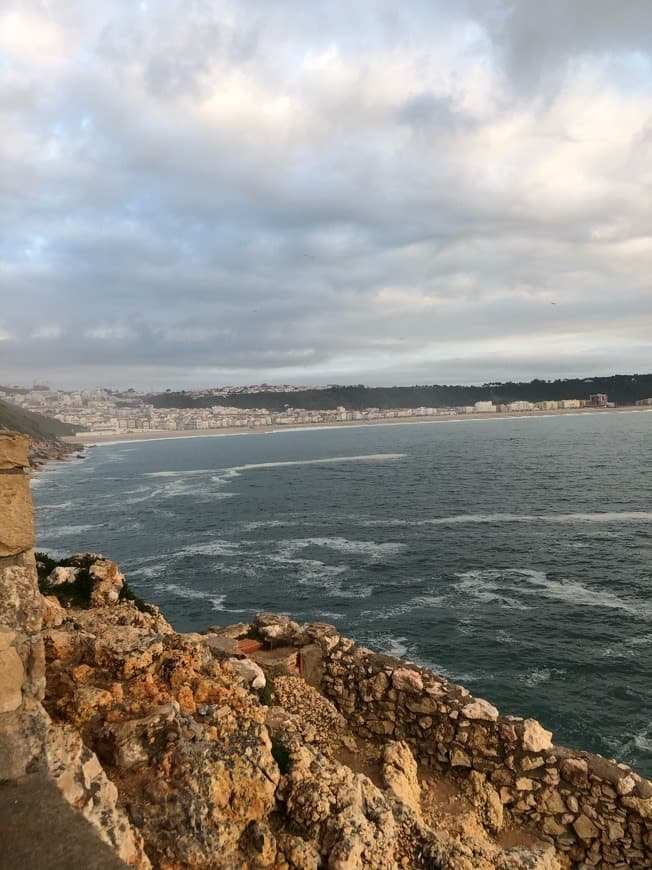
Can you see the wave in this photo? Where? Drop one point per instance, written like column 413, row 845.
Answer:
column 503, row 587
column 486, row 586
column 216, row 601
column 68, row 531
column 251, row 466
column 209, row 548
column 541, row 675
column 375, row 551
column 267, row 524
column 417, row 603
column 460, row 519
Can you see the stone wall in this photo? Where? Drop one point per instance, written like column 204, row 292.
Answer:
column 596, row 812
column 22, row 663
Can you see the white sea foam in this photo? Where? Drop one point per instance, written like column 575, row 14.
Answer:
column 252, row 466
column 541, row 675
column 488, row 586
column 602, row 517
column 216, row 601
column 69, row 531
column 508, row 587
column 267, row 524
column 327, row 614
column 373, row 550
column 419, row 602
column 393, row 646
column 210, row 548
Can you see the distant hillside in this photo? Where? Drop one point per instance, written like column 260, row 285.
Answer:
column 35, row 425
column 621, row 389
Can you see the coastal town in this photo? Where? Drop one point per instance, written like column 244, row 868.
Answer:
column 107, row 412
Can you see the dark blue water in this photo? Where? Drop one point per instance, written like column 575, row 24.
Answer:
column 512, row 555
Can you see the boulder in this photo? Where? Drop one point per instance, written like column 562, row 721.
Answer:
column 400, row 774
column 108, row 582
column 480, row 709
column 276, row 628
column 407, row 680
column 62, row 574
column 250, row 672
column 536, row 738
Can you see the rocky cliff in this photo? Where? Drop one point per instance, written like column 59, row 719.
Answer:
column 275, row 745
column 44, row 433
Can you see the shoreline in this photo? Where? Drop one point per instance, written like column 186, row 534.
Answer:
column 97, row 439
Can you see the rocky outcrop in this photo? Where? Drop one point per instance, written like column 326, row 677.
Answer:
column 594, row 811
column 22, row 665
column 31, row 747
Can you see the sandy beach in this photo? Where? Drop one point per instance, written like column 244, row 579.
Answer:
column 88, row 438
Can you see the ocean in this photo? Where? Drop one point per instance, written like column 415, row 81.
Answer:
column 511, row 555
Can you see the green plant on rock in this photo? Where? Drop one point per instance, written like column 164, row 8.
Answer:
column 281, row 755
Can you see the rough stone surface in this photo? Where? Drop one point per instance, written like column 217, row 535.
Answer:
column 20, row 602
column 108, row 582
column 62, row 574
column 17, row 512
column 480, row 709
column 13, row 451
column 80, row 778
column 12, row 675
column 407, row 680
column 535, row 738
column 400, row 774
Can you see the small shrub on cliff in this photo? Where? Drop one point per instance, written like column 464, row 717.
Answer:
column 128, row 594
column 254, row 633
column 44, row 565
column 266, row 694
column 281, row 755
column 76, row 593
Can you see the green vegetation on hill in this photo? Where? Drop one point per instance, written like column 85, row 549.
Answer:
column 35, row 425
column 622, row 389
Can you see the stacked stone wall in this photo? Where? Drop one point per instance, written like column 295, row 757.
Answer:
column 596, row 812
column 22, row 661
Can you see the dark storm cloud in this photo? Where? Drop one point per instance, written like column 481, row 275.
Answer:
column 203, row 192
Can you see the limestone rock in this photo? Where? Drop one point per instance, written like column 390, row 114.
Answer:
column 13, row 451
column 400, row 774
column 53, row 613
column 12, row 674
column 277, row 629
column 62, row 574
column 250, row 672
column 299, row 854
column 480, row 709
column 584, row 828
column 17, row 512
column 108, row 582
column 20, row 601
column 575, row 771
column 80, row 778
column 407, row 680
column 535, row 737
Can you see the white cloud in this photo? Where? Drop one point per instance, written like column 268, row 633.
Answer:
column 238, row 193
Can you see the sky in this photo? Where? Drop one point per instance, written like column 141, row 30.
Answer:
column 206, row 193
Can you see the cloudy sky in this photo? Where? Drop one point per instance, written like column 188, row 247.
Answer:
column 197, row 192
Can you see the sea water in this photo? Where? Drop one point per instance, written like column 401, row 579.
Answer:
column 511, row 555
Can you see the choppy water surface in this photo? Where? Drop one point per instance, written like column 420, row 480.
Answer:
column 512, row 555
